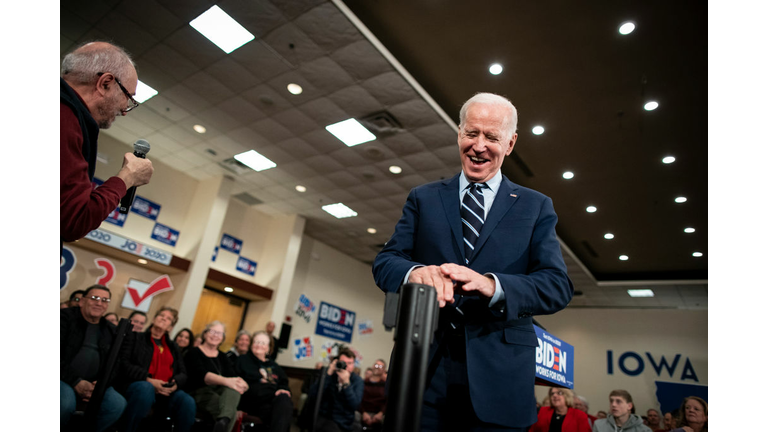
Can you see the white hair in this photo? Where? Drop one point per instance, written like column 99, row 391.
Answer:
column 83, row 65
column 510, row 121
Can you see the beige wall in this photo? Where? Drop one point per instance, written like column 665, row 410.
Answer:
column 593, row 332
column 325, row 275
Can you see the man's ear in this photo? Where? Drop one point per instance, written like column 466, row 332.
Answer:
column 511, row 144
column 103, row 83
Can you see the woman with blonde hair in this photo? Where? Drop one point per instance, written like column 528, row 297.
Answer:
column 694, row 415
column 212, row 380
column 561, row 416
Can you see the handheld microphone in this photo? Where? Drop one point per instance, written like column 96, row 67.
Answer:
column 140, row 150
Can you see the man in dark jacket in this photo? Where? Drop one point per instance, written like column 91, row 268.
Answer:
column 86, row 338
column 342, row 393
column 153, row 373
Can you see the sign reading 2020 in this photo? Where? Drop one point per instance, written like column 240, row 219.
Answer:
column 335, row 322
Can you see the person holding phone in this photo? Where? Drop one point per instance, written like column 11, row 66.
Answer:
column 153, row 373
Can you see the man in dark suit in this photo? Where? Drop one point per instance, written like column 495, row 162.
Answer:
column 489, row 248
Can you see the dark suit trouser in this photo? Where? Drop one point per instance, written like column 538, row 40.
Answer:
column 447, row 406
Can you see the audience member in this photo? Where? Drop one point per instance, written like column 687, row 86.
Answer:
column 341, row 394
column 268, row 396
column 370, row 413
column 670, row 422
column 153, row 375
column 138, row 319
column 602, row 415
column 198, row 341
column 368, row 373
column 74, row 298
column 654, row 420
column 273, row 344
column 695, row 413
column 64, row 305
column 184, row 340
column 212, row 381
column 621, row 417
column 580, row 402
column 97, row 82
column 84, row 344
column 112, row 317
column 561, row 416
column 241, row 346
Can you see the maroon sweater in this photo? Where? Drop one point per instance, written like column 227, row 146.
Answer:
column 82, row 208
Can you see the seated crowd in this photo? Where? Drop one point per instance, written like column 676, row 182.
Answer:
column 188, row 380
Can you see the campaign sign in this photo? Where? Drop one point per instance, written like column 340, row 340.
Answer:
column 304, row 308
column 335, row 322
column 215, row 254
column 66, row 265
column 145, row 207
column 365, row 328
column 138, row 294
column 554, row 359
column 302, row 349
column 116, row 218
column 130, row 246
column 231, row 244
column 246, row 266
column 165, row 234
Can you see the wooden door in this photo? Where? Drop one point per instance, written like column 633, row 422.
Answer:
column 215, row 306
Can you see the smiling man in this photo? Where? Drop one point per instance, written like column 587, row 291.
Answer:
column 489, row 248
column 86, row 337
column 97, row 84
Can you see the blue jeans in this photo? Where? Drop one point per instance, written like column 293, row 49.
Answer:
column 141, row 397
column 112, row 406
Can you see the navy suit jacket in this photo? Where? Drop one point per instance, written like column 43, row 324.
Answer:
column 518, row 244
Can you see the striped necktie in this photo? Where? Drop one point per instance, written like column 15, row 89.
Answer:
column 472, row 217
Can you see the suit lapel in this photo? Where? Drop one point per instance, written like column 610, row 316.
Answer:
column 505, row 199
column 449, row 194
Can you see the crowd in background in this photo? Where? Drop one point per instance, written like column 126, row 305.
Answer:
column 187, row 381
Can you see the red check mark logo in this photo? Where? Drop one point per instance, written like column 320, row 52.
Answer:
column 159, row 285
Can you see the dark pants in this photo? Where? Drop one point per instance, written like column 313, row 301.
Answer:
column 219, row 402
column 278, row 415
column 327, row 425
column 141, row 397
column 447, row 405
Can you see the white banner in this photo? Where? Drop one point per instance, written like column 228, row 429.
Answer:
column 130, row 246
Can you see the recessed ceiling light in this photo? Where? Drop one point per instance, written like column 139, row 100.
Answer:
column 295, row 88
column 640, row 292
column 538, row 130
column 144, row 92
column 652, row 105
column 567, row 175
column 339, row 210
column 394, row 169
column 690, row 230
column 591, row 209
column 623, row 257
column 199, row 129
column 301, row 188
column 229, row 289
column 221, row 29
column 668, row 159
column 350, row 132
column 608, row 236
column 698, row 254
column 627, row 28
column 681, row 199
column 142, row 261
column 495, row 69
column 371, row 230
column 254, row 160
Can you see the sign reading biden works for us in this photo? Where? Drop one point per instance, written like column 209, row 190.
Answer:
column 554, row 359
column 335, row 322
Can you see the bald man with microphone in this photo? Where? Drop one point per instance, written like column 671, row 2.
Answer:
column 98, row 82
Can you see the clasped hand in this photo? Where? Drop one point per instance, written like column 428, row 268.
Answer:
column 452, row 278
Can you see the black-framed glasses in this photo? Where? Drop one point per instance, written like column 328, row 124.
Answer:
column 101, row 299
column 133, row 103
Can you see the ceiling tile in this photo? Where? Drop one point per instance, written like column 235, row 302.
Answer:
column 356, row 101
column 161, row 141
column 166, row 108
column 292, row 44
column 390, row 88
column 233, row 75
column 323, row 111
column 182, row 135
column 241, row 110
column 293, row 8
column 91, row 13
column 300, row 170
column 218, row 119
column 362, row 60
column 278, row 176
column 362, row 191
column 404, row 143
column 71, row 26
column 322, row 141
column 296, row 121
column 243, row 137
column 436, row 136
column 297, row 147
column 415, row 113
column 273, row 131
column 123, row 135
column 424, row 161
column 153, row 16
column 197, row 48
column 386, row 188
column 170, row 61
column 319, row 184
column 324, row 164
column 151, row 118
column 258, row 17
column 340, row 196
column 326, row 75
column 266, row 99
column 187, row 98
column 342, row 179
column 132, row 124
column 186, row 10
column 192, row 157
column 348, row 157
column 127, row 34
column 261, row 60
column 208, row 87
column 276, row 154
column 316, row 22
